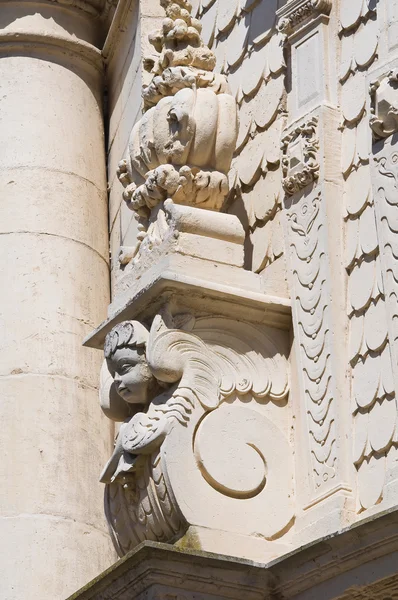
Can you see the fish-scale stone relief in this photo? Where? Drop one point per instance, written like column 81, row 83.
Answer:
column 250, row 343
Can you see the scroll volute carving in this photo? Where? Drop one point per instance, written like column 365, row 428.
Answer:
column 182, row 147
column 197, row 445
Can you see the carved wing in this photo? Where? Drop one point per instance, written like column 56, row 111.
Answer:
column 178, row 355
column 246, row 358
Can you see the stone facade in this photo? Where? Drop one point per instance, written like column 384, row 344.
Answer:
column 249, row 376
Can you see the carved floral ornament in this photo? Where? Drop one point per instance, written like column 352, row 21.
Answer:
column 182, row 147
column 182, row 390
column 384, row 105
column 296, row 12
column 300, row 157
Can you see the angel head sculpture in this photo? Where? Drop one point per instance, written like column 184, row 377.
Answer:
column 126, row 359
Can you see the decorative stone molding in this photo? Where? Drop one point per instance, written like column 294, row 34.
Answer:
column 182, row 147
column 359, row 562
column 175, row 228
column 62, row 45
column 92, row 7
column 294, row 13
column 384, row 105
column 185, row 385
column 300, row 157
column 308, row 249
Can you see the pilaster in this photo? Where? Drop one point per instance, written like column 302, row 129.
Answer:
column 311, row 146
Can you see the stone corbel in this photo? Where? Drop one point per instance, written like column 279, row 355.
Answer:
column 295, row 13
column 384, row 105
column 197, row 450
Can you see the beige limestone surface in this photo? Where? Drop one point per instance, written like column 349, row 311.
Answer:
column 252, row 196
column 54, row 282
column 314, row 83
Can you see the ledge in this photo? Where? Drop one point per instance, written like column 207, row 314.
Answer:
column 358, row 562
column 193, row 283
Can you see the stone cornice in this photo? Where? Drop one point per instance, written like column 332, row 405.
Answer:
column 294, row 13
column 362, row 554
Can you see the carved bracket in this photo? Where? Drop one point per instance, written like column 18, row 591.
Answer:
column 300, row 157
column 189, row 432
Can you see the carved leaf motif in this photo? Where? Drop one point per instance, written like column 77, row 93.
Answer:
column 353, row 97
column 245, row 122
column 371, row 476
column 220, row 52
column 250, row 160
column 367, row 232
column 142, row 508
column 268, row 101
column 365, row 43
column 267, row 194
column 247, row 358
column 276, row 60
column 347, row 56
column 361, row 284
column 348, row 149
column 350, row 12
column 262, row 21
column 376, row 326
column 208, row 20
column 366, row 376
column 357, row 190
column 254, row 68
column 352, row 240
column 360, row 436
column 356, row 336
column 226, row 15
column 237, row 42
column 382, row 420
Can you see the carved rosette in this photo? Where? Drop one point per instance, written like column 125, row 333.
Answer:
column 204, row 438
column 182, row 147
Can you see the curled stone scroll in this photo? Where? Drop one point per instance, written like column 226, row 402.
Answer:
column 196, row 392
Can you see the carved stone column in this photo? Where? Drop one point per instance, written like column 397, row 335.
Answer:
column 53, row 249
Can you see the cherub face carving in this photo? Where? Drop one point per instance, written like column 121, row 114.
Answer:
column 125, row 355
